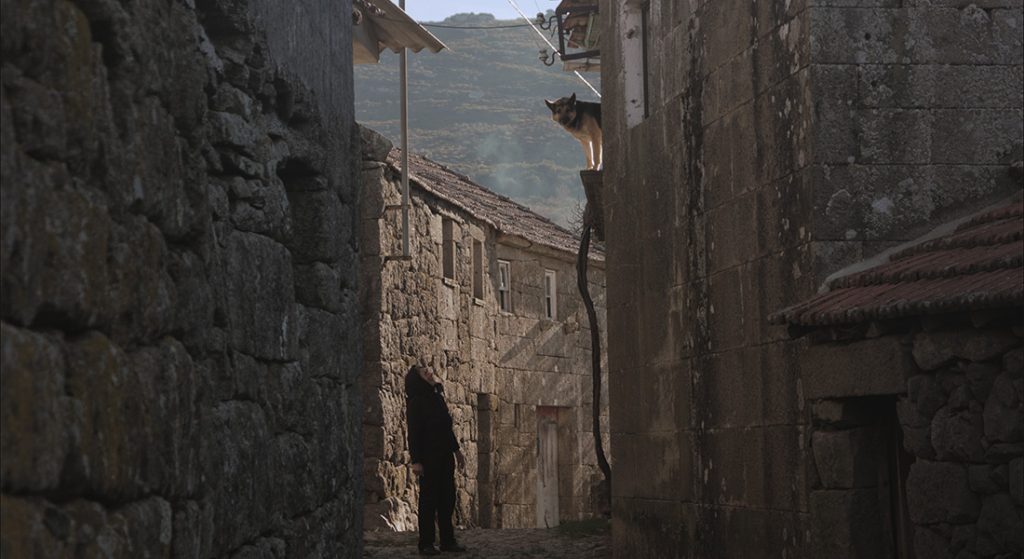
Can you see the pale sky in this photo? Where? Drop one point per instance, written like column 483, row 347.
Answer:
column 437, row 10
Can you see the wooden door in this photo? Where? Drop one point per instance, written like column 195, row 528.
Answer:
column 547, row 467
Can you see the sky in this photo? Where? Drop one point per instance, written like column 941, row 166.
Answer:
column 437, row 10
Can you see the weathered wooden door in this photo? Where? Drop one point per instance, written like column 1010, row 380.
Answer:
column 547, row 467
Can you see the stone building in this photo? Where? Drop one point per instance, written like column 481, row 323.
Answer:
column 914, row 382
column 488, row 296
column 180, row 343
column 751, row 150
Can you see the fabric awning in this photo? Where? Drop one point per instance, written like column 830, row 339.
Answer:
column 380, row 24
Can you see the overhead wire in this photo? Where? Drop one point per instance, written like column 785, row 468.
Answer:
column 532, row 26
column 473, row 27
column 528, row 23
column 444, row 26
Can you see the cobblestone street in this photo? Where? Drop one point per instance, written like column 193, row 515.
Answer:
column 500, row 544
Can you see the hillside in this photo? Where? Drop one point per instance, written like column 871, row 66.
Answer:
column 479, row 108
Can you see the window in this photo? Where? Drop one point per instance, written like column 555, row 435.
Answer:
column 645, row 33
column 478, row 269
column 550, row 295
column 635, row 37
column 504, row 281
column 448, row 248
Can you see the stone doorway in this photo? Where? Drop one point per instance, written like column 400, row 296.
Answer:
column 859, row 508
column 547, row 467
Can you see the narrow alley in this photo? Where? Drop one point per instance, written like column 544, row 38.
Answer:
column 630, row 279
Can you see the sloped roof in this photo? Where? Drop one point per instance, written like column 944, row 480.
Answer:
column 383, row 25
column 502, row 213
column 980, row 265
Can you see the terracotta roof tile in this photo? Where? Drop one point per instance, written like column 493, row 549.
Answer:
column 504, row 214
column 980, row 265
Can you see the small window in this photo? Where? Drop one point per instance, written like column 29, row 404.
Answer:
column 550, row 295
column 645, row 37
column 636, row 35
column 478, row 269
column 448, row 248
column 504, row 281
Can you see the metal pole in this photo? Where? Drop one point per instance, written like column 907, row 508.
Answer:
column 404, row 86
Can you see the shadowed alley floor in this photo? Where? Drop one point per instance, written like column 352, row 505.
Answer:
column 534, row 543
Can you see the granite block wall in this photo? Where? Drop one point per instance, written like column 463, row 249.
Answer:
column 917, row 117
column 180, row 355
column 706, row 201
column 781, row 142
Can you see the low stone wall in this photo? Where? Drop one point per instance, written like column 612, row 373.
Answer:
column 179, row 336
column 922, row 444
column 963, row 421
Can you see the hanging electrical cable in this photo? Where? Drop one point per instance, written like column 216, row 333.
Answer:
column 517, row 25
column 446, row 26
column 532, row 26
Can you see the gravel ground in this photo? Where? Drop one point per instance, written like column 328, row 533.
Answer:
column 588, row 540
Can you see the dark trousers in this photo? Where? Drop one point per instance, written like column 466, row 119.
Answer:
column 437, row 500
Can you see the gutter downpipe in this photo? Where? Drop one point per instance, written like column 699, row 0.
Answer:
column 403, row 79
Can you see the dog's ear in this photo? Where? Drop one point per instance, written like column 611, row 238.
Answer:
column 572, row 99
column 550, row 104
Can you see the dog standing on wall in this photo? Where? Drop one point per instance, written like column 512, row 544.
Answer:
column 582, row 119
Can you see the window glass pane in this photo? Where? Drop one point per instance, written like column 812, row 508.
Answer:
column 448, row 248
column 550, row 294
column 503, row 286
column 478, row 270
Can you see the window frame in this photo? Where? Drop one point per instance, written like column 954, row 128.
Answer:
column 550, row 294
column 645, row 38
column 636, row 36
column 504, row 286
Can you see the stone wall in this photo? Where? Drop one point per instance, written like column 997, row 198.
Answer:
column 927, row 453
column 706, row 206
column 917, row 114
column 784, row 140
column 179, row 336
column 963, row 421
column 497, row 367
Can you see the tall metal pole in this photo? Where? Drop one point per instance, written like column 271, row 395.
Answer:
column 403, row 76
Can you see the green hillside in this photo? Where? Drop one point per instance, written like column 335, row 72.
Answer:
column 479, row 108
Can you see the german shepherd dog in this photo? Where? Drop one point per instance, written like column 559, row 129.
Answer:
column 582, row 119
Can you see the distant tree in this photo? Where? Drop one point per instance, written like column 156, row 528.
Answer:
column 576, row 215
column 469, row 18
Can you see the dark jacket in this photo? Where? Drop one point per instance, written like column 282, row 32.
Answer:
column 430, row 425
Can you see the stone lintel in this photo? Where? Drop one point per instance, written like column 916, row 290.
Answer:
column 873, row 367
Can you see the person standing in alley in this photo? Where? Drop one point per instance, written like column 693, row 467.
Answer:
column 433, row 450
